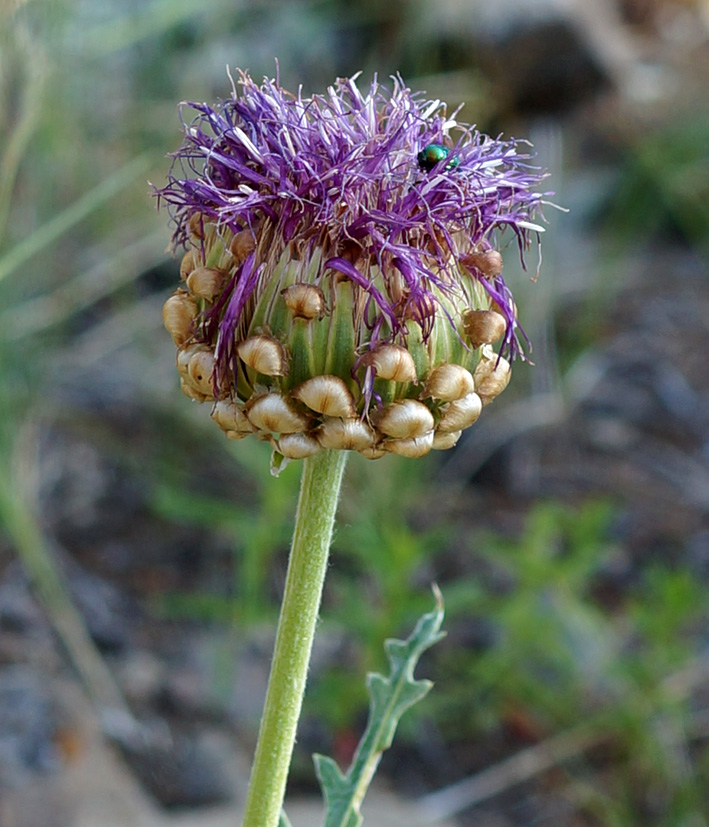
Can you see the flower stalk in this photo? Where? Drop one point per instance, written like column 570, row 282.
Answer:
column 315, row 517
column 342, row 290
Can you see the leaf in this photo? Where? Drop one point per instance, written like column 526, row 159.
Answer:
column 390, row 697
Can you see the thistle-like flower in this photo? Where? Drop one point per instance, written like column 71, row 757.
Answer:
column 343, row 284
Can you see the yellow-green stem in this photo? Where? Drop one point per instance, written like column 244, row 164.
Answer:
column 319, row 492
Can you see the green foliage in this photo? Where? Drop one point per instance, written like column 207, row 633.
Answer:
column 257, row 533
column 556, row 656
column 390, row 697
column 664, row 184
column 378, row 547
column 551, row 643
column 668, row 607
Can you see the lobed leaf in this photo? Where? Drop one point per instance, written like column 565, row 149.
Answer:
column 390, row 697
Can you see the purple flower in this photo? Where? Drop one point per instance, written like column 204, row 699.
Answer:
column 386, row 215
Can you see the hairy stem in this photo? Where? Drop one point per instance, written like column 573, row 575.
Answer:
column 319, row 492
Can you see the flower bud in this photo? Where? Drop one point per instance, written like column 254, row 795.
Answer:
column 345, row 434
column 242, row 245
column 231, row 417
column 488, row 262
column 200, row 371
column 443, row 440
column 184, row 355
column 511, row 308
column 271, row 412
column 197, row 226
column 461, row 413
column 413, row 447
column 190, row 391
column 327, row 395
column 206, row 282
column 484, row 327
column 305, row 301
column 298, row 446
column 495, row 381
column 264, row 354
column 486, row 364
column 404, row 420
column 392, row 362
column 178, row 315
column 448, row 382
column 374, row 452
column 187, row 264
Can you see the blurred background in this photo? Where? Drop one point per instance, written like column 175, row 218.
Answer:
column 142, row 554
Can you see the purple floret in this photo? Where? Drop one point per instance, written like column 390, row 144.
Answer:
column 340, row 171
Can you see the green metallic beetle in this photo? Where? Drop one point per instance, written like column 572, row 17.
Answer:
column 433, row 153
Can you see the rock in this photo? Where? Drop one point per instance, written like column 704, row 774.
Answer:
column 106, row 609
column 543, row 66
column 141, row 677
column 27, row 728
column 178, row 768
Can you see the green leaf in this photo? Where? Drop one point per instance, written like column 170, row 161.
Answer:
column 390, row 697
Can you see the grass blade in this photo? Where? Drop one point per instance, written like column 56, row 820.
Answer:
column 65, row 220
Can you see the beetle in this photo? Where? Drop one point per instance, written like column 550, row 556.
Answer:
column 432, row 154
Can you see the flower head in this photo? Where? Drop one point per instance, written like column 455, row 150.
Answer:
column 343, row 286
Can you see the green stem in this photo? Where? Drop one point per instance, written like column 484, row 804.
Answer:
column 319, row 492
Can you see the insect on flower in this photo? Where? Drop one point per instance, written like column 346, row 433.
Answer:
column 329, row 288
column 433, row 154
